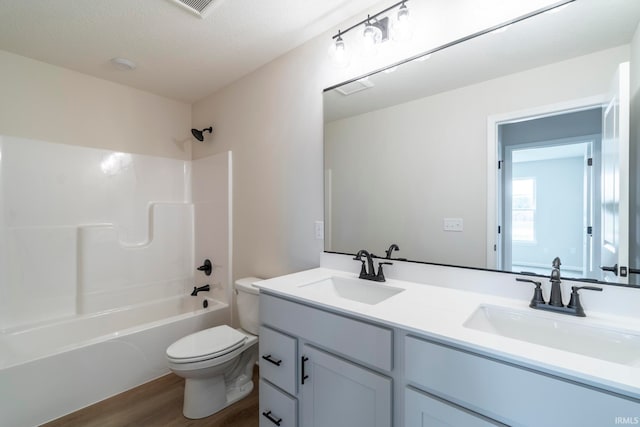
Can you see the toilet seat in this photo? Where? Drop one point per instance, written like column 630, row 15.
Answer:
column 207, row 344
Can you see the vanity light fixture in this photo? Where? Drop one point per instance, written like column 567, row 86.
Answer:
column 373, row 34
column 402, row 27
column 377, row 29
column 338, row 52
column 403, row 12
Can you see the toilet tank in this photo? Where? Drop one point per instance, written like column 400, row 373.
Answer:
column 247, row 304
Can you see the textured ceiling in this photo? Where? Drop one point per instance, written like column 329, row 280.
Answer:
column 178, row 55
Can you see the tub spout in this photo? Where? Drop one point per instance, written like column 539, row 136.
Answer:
column 200, row 289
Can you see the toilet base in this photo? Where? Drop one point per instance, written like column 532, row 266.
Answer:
column 203, row 398
column 206, row 396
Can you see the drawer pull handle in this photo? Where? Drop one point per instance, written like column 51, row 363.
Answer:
column 304, row 377
column 270, row 360
column 276, row 421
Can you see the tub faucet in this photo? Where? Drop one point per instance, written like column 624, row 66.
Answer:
column 200, row 289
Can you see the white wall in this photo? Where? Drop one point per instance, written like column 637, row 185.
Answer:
column 272, row 120
column 48, row 103
column 438, row 132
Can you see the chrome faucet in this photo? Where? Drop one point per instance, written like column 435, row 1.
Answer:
column 555, row 304
column 200, row 289
column 368, row 271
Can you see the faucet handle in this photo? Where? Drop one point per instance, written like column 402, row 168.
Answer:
column 380, row 274
column 613, row 269
column 537, row 299
column 363, row 268
column 207, row 267
column 574, row 302
column 589, row 288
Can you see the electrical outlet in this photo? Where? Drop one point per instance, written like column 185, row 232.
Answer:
column 453, row 224
column 319, row 226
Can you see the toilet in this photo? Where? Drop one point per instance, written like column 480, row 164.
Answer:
column 217, row 363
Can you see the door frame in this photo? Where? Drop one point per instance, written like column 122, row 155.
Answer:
column 493, row 157
column 588, row 215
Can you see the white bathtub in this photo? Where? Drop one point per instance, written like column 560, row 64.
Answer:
column 49, row 370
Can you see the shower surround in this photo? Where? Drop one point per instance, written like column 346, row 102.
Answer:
column 86, row 232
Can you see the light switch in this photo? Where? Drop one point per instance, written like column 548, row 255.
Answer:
column 319, row 230
column 453, row 224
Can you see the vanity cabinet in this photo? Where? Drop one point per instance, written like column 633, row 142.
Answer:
column 425, row 410
column 507, row 392
column 338, row 367
column 321, row 368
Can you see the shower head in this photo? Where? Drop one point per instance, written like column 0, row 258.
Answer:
column 198, row 134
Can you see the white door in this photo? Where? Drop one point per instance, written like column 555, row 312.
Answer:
column 615, row 178
column 337, row 393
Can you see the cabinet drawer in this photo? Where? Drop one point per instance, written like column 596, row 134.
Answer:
column 422, row 410
column 352, row 338
column 508, row 393
column 277, row 409
column 278, row 359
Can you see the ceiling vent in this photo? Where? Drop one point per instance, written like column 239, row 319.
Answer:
column 354, row 87
column 200, row 8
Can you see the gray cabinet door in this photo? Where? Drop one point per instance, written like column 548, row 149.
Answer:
column 337, row 393
column 422, row 410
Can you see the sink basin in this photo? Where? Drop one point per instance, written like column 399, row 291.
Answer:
column 364, row 291
column 613, row 345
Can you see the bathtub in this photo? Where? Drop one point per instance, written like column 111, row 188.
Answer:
column 49, row 370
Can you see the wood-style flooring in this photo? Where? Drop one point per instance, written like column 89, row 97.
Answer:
column 159, row 403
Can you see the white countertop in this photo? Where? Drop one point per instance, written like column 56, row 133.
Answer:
column 440, row 312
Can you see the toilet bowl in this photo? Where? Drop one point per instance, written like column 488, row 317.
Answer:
column 217, row 363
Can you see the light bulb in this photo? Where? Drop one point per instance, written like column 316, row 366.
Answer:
column 341, row 50
column 338, row 52
column 402, row 25
column 371, row 38
column 403, row 13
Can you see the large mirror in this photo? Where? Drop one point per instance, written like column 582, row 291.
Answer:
column 499, row 152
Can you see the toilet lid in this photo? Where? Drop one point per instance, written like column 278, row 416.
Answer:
column 206, row 344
